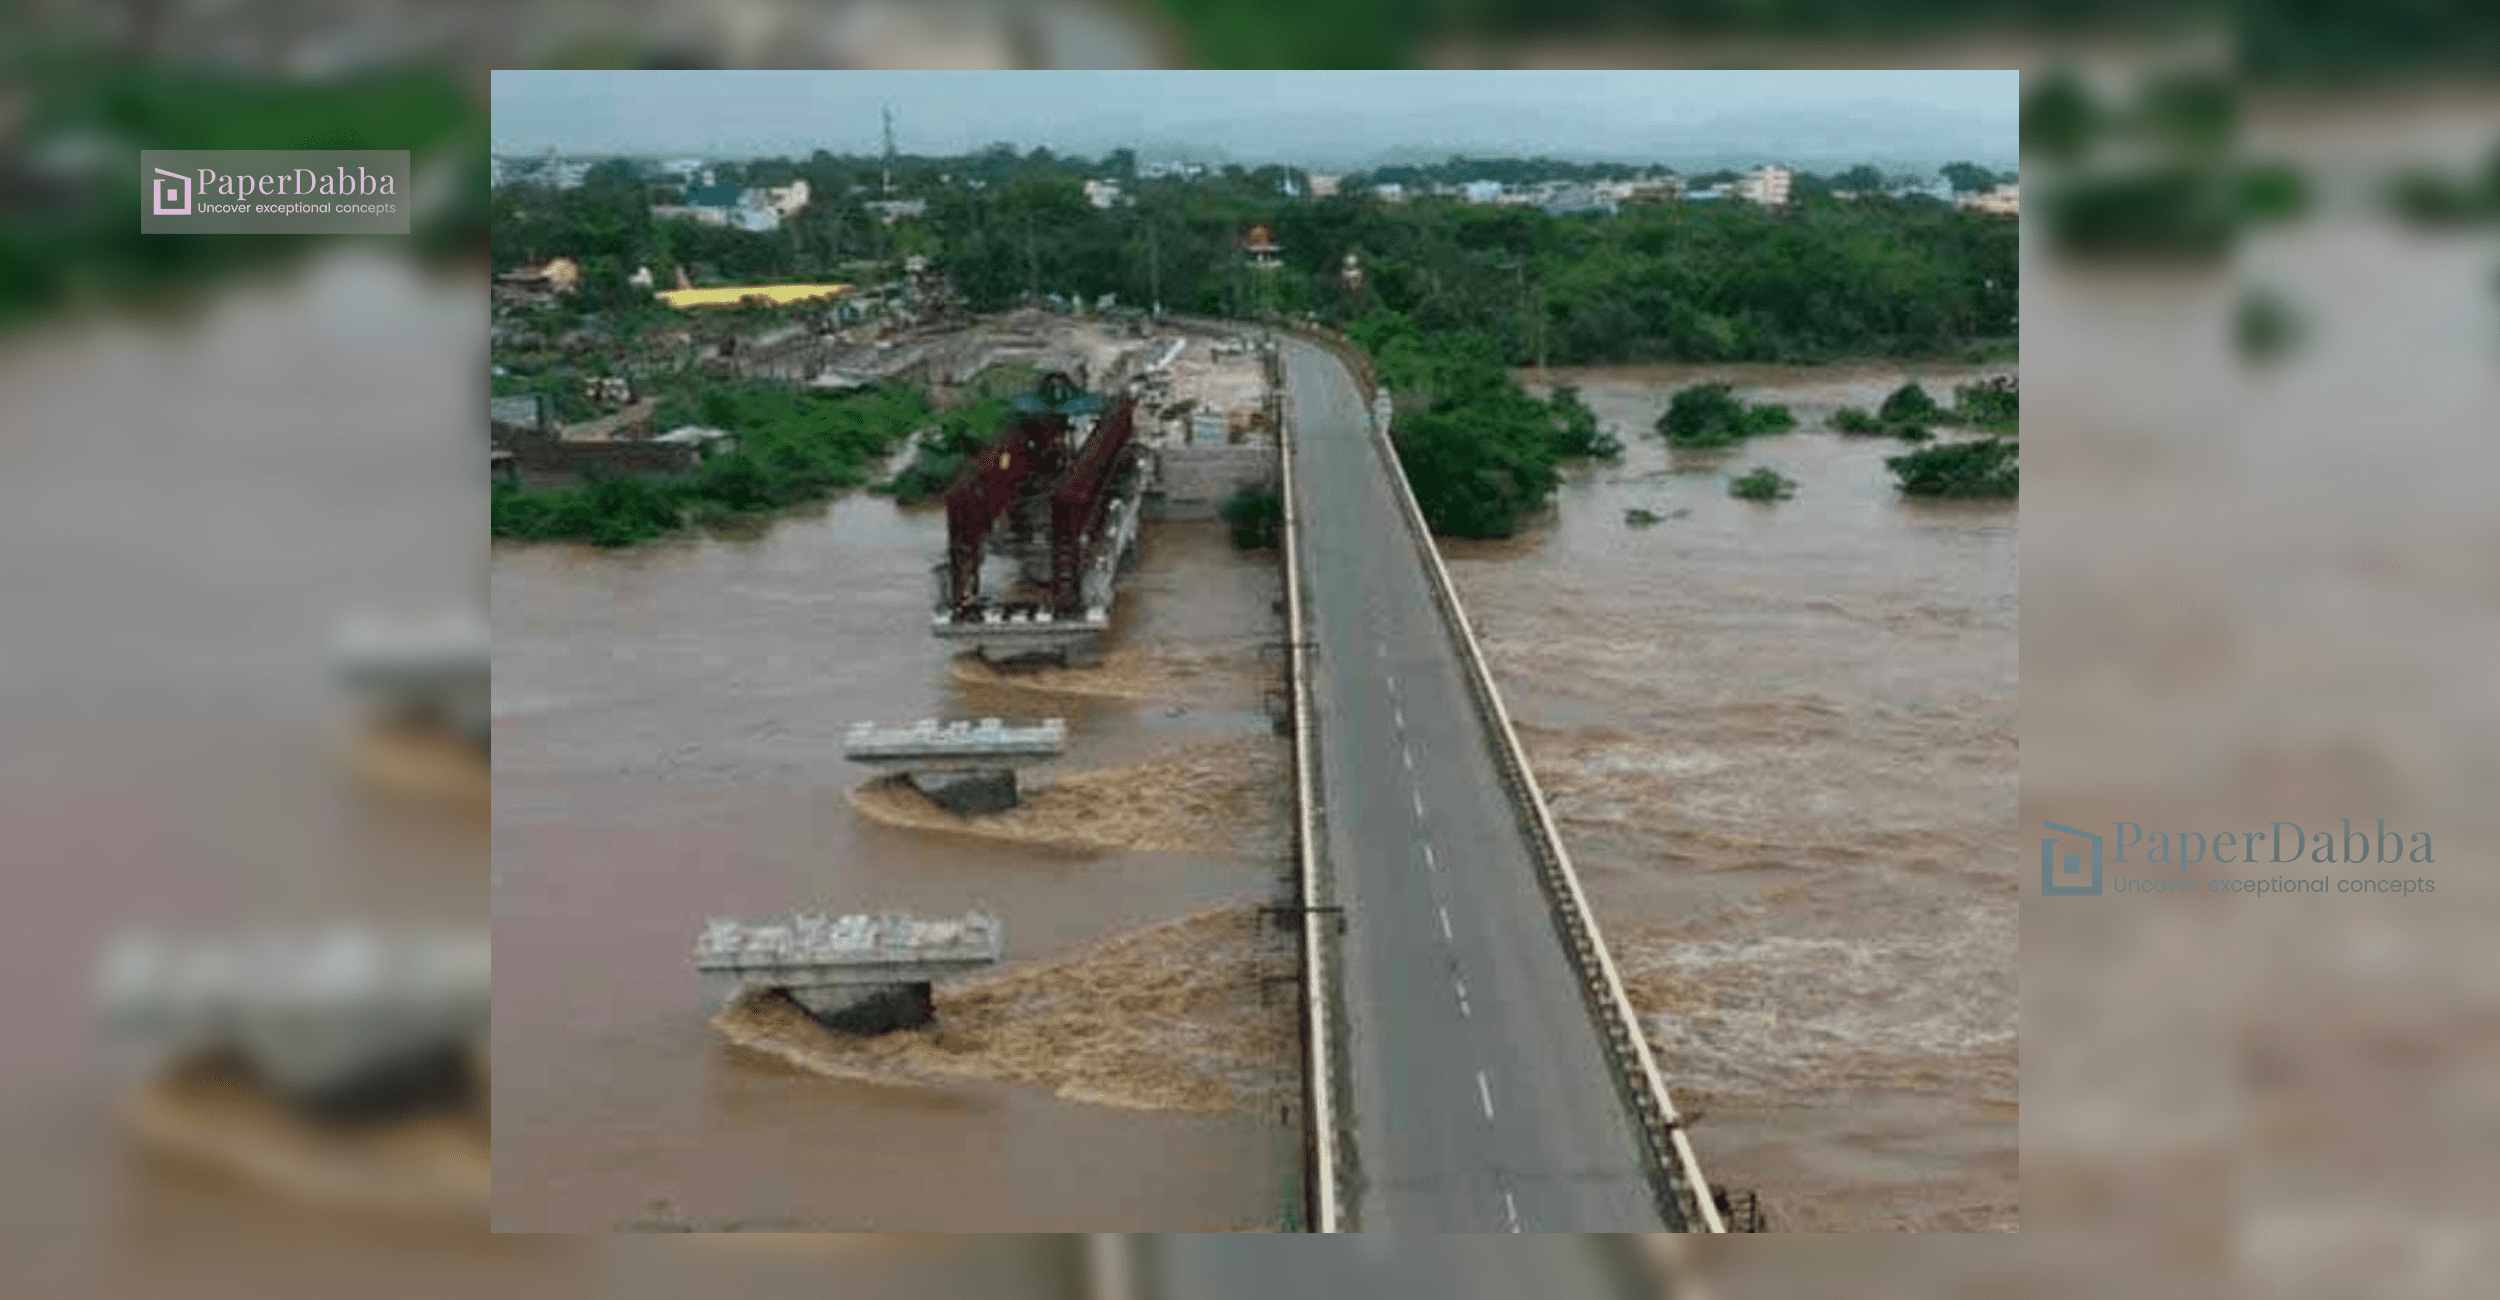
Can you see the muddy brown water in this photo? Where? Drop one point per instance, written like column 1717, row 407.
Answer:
column 668, row 747
column 1780, row 744
column 1780, row 741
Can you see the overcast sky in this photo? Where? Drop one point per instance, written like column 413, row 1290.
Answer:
column 1311, row 118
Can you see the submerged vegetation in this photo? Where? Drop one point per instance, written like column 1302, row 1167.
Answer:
column 1710, row 415
column 1992, row 405
column 1762, row 484
column 1480, row 453
column 1986, row 468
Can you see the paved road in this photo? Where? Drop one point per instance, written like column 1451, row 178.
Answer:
column 1481, row 1096
column 1178, row 1267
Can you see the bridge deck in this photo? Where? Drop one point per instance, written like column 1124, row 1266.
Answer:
column 1482, row 1099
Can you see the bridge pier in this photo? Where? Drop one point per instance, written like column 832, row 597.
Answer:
column 860, row 974
column 968, row 793
column 870, row 1008
column 962, row 767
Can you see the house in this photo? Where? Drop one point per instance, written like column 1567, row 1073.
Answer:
column 1767, row 186
column 1324, row 185
column 530, row 286
column 1482, row 191
column 759, row 208
column 1103, row 194
column 890, row 211
column 1390, row 192
column 516, row 418
column 1573, row 199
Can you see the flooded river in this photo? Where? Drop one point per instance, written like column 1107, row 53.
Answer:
column 1780, row 741
column 668, row 747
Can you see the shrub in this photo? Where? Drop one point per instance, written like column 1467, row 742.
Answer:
column 1992, row 404
column 1909, row 404
column 1576, row 432
column 1763, row 484
column 1256, row 517
column 1639, row 518
column 1710, row 415
column 1987, row 468
column 1852, row 419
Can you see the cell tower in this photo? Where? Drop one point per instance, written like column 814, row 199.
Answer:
column 889, row 151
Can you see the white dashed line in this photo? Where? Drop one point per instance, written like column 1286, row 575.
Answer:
column 1428, row 859
column 1445, row 923
column 1419, row 803
column 1513, row 1208
column 1398, row 716
column 1409, row 756
column 1484, row 1093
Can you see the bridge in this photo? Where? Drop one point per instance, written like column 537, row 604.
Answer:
column 1488, row 1074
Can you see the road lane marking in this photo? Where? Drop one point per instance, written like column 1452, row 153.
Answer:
column 1398, row 716
column 1419, row 802
column 1407, row 753
column 1484, row 1093
column 1428, row 860
column 1393, row 688
column 1513, row 1208
column 1445, row 923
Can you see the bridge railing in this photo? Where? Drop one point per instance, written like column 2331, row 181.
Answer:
column 1684, row 1194
column 1320, row 1156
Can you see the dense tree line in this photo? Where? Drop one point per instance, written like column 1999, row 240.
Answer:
column 1824, row 278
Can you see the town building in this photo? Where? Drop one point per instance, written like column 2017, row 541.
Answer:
column 536, row 286
column 1767, row 186
column 758, row 208
column 2005, row 200
column 1324, row 184
column 889, row 211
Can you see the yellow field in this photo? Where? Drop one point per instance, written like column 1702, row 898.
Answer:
column 779, row 294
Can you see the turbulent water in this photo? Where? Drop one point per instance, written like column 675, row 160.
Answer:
column 1780, row 741
column 668, row 747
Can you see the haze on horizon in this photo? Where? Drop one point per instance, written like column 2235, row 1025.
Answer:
column 1311, row 119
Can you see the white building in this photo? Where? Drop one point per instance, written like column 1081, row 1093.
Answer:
column 1103, row 194
column 1482, row 191
column 1390, row 192
column 761, row 208
column 2004, row 200
column 1324, row 184
column 1767, row 186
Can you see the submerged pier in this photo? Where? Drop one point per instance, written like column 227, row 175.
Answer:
column 861, row 973
column 961, row 766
